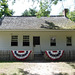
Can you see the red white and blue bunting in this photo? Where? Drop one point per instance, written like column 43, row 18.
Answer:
column 21, row 54
column 54, row 54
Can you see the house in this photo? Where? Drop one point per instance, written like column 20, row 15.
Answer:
column 38, row 35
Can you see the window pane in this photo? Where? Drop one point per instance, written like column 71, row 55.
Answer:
column 14, row 43
column 25, row 37
column 25, row 40
column 25, row 43
column 14, row 37
column 14, row 40
column 53, row 44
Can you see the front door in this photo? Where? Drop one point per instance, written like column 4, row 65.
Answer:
column 36, row 44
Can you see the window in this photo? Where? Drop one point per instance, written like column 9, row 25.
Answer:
column 69, row 41
column 53, row 41
column 14, row 40
column 25, row 40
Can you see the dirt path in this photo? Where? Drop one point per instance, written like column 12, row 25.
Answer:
column 56, row 68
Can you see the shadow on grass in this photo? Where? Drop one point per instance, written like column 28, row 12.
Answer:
column 25, row 72
column 3, row 74
column 72, row 64
column 21, row 72
column 60, row 74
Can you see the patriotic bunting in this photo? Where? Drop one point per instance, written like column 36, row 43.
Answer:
column 20, row 54
column 54, row 54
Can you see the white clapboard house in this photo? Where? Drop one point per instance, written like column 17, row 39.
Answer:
column 37, row 34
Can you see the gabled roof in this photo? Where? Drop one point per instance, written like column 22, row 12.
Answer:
column 53, row 22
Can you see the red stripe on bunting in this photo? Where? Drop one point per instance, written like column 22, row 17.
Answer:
column 54, row 51
column 20, row 51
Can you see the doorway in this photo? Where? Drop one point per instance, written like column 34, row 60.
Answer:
column 36, row 44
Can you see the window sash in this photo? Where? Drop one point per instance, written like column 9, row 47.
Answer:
column 14, row 40
column 25, row 37
column 53, row 41
column 26, row 40
column 14, row 37
column 69, row 41
column 26, row 43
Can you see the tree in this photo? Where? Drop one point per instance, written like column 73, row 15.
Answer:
column 45, row 6
column 44, row 9
column 30, row 12
column 26, row 13
column 71, row 15
column 4, row 10
column 49, row 1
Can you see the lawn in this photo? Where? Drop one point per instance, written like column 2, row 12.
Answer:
column 46, row 68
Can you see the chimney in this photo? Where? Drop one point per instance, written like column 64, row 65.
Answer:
column 65, row 11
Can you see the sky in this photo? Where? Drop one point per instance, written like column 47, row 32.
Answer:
column 22, row 5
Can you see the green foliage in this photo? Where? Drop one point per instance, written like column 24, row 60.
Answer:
column 71, row 15
column 44, row 9
column 54, row 1
column 4, row 10
column 30, row 12
column 26, row 13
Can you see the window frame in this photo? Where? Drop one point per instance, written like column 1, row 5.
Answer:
column 26, row 40
column 51, row 42
column 14, row 40
column 69, row 43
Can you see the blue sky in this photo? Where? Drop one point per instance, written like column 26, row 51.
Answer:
column 21, row 5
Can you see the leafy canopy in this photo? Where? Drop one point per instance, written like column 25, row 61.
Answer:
column 71, row 15
column 30, row 12
column 4, row 10
column 45, row 8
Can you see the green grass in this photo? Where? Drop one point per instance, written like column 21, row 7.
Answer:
column 18, row 68
column 72, row 64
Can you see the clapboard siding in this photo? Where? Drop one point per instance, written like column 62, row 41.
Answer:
column 5, row 40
